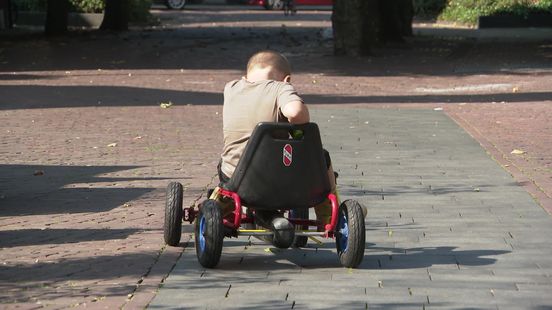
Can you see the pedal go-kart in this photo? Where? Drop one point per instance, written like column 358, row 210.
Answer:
column 283, row 171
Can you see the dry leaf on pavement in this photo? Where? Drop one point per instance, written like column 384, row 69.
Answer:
column 517, row 152
column 166, row 105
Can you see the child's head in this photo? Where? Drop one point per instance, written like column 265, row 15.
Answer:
column 269, row 64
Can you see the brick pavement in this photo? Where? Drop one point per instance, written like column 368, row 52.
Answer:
column 87, row 228
column 504, row 127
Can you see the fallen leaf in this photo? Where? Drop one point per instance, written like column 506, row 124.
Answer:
column 517, row 152
column 166, row 105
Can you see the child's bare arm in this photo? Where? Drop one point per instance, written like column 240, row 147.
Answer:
column 296, row 112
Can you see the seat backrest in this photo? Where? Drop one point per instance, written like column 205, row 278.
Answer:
column 279, row 171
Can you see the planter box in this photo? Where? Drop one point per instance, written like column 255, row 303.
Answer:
column 516, row 21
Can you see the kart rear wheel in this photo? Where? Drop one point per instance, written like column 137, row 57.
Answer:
column 209, row 234
column 172, row 227
column 300, row 241
column 350, row 234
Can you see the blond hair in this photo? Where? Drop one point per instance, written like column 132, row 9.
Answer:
column 280, row 67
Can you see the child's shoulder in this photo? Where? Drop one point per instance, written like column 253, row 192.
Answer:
column 231, row 83
column 266, row 87
column 264, row 83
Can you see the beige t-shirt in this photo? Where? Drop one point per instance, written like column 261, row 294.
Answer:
column 245, row 105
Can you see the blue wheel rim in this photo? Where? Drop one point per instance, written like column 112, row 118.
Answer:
column 201, row 236
column 343, row 229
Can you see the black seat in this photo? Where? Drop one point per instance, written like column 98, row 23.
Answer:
column 270, row 176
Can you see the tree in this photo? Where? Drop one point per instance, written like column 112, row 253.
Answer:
column 56, row 17
column 116, row 15
column 359, row 25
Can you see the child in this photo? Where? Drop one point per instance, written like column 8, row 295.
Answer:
column 265, row 94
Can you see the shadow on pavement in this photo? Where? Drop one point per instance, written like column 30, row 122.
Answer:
column 213, row 42
column 25, row 237
column 39, row 96
column 425, row 257
column 497, row 97
column 100, row 267
column 326, row 257
column 37, row 190
column 359, row 192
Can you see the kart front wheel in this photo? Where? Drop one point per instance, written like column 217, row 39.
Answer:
column 172, row 227
column 350, row 234
column 209, row 234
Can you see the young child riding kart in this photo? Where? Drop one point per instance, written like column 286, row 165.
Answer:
column 273, row 163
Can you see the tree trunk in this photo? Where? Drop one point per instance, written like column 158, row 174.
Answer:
column 359, row 25
column 397, row 17
column 355, row 26
column 56, row 17
column 116, row 15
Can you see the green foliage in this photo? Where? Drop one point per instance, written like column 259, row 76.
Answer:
column 87, row 6
column 468, row 11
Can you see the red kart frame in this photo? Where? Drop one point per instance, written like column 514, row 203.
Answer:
column 238, row 218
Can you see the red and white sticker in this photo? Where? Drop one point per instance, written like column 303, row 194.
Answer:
column 288, row 155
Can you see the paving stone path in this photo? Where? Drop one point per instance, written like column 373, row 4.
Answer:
column 447, row 228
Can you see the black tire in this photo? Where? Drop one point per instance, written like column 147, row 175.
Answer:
column 209, row 234
column 175, row 4
column 350, row 234
column 173, row 214
column 300, row 241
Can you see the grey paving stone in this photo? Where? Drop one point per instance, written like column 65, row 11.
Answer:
column 447, row 228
